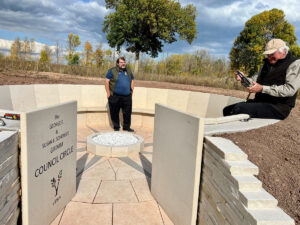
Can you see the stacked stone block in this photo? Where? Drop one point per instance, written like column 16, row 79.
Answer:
column 230, row 194
column 9, row 178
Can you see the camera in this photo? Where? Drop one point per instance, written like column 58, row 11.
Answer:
column 244, row 80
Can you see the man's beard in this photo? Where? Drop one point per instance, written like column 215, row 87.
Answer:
column 122, row 68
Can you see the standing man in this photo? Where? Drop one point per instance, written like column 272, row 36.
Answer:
column 119, row 88
column 275, row 86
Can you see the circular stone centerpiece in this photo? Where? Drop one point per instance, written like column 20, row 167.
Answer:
column 114, row 144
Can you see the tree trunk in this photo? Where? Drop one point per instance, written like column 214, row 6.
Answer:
column 136, row 64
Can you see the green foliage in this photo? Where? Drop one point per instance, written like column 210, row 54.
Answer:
column 73, row 43
column 248, row 47
column 99, row 56
column 88, row 53
column 45, row 56
column 15, row 49
column 74, row 60
column 174, row 64
column 144, row 25
column 1, row 55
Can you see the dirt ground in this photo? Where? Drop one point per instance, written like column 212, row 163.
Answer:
column 274, row 149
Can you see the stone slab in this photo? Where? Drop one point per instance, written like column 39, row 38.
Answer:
column 93, row 96
column 270, row 217
column 115, row 191
column 237, row 126
column 101, row 171
column 96, row 118
column 142, row 189
column 58, row 218
column 197, row 103
column 18, row 100
column 6, row 101
column 13, row 218
column 258, row 199
column 226, row 148
column 164, row 216
column 69, row 92
column 86, row 190
column 10, row 194
column 128, row 172
column 7, row 211
column 77, row 213
column 84, row 161
column 215, row 105
column 139, row 98
column 119, row 151
column 9, row 141
column 10, row 163
column 155, row 95
column 46, row 95
column 143, row 213
column 178, row 99
column 242, row 168
column 248, row 183
column 48, row 156
column 8, row 180
column 176, row 163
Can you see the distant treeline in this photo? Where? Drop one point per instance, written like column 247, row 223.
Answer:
column 201, row 69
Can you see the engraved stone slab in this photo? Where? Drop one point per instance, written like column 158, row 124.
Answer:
column 48, row 161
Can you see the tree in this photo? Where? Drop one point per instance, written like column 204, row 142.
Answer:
column 57, row 51
column 75, row 59
column 27, row 47
column 73, row 43
column 99, row 56
column 174, row 64
column 143, row 26
column 88, row 53
column 246, row 53
column 15, row 49
column 45, row 56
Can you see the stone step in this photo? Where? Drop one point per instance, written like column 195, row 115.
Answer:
column 274, row 216
column 242, row 168
column 258, row 199
column 247, row 183
column 225, row 148
column 238, row 168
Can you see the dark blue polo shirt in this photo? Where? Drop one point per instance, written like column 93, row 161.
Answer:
column 123, row 82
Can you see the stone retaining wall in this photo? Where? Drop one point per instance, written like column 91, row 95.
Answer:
column 230, row 193
column 93, row 108
column 93, row 98
column 9, row 178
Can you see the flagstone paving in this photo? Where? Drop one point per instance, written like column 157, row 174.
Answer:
column 114, row 191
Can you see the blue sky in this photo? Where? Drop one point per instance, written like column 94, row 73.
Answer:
column 218, row 22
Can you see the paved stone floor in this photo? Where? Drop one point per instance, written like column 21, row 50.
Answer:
column 114, row 191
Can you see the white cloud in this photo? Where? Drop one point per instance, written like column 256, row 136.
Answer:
column 5, row 45
column 53, row 20
column 236, row 13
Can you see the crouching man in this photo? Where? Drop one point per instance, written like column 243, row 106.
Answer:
column 275, row 86
column 119, row 88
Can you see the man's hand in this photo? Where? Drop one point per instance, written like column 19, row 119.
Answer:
column 106, row 84
column 255, row 88
column 237, row 77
